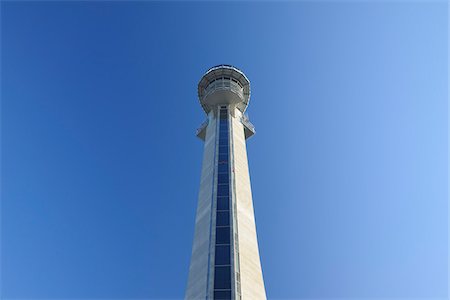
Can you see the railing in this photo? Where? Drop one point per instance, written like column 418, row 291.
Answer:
column 202, row 126
column 223, row 84
column 246, row 121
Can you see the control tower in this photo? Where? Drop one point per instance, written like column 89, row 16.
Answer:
column 225, row 261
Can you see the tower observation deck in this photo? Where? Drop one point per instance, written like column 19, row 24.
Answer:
column 225, row 261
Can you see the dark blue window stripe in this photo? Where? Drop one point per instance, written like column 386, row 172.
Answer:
column 222, row 270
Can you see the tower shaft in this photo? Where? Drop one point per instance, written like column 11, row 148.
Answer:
column 225, row 261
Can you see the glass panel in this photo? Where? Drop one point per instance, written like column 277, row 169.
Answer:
column 223, row 167
column 223, row 152
column 222, row 278
column 223, row 178
column 222, row 235
column 223, row 149
column 223, row 171
column 223, row 157
column 222, row 295
column 222, row 255
column 223, row 190
column 223, row 203
column 223, row 218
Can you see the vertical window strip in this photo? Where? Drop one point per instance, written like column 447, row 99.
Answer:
column 222, row 263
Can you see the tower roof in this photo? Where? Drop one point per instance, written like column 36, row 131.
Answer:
column 241, row 89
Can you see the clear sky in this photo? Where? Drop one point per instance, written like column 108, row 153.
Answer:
column 100, row 165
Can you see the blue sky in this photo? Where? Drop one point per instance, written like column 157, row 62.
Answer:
column 100, row 165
